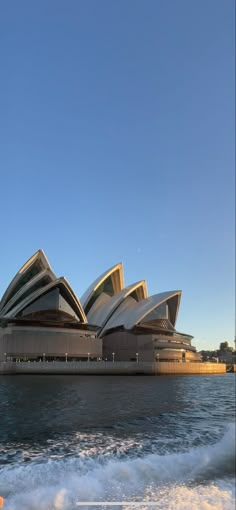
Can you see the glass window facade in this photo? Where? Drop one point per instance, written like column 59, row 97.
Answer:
column 25, row 278
column 160, row 312
column 38, row 285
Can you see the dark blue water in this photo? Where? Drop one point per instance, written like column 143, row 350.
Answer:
column 70, row 439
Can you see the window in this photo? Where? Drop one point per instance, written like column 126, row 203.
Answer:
column 41, row 283
column 25, row 278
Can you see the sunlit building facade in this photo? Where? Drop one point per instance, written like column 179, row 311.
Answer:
column 41, row 318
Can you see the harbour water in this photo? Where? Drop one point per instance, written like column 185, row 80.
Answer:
column 168, row 441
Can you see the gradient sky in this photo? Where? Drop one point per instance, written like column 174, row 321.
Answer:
column 117, row 144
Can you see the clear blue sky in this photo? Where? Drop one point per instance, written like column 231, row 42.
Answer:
column 117, row 144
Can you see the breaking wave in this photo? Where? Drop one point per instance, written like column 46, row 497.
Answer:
column 202, row 477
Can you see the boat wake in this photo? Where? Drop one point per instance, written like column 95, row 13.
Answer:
column 202, row 478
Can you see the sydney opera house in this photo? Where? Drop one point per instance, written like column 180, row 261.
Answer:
column 42, row 319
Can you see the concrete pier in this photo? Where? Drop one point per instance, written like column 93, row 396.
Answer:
column 111, row 368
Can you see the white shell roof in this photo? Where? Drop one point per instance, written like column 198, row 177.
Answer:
column 20, row 294
column 85, row 298
column 95, row 312
column 106, row 312
column 117, row 318
column 130, row 314
column 57, row 283
column 38, row 256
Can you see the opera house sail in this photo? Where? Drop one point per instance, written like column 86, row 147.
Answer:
column 42, row 319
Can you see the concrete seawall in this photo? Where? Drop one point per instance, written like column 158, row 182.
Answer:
column 110, row 368
column 166, row 368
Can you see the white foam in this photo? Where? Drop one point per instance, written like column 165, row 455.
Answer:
column 57, row 485
column 210, row 497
